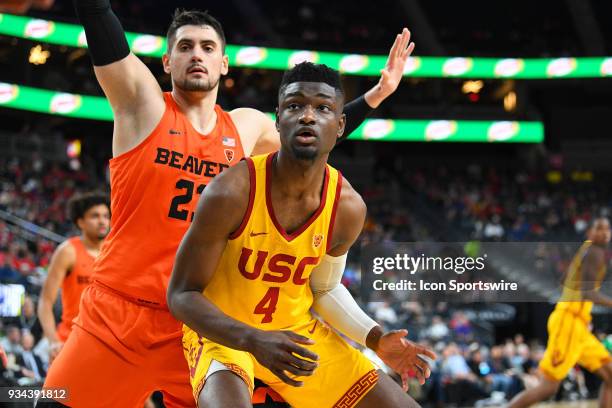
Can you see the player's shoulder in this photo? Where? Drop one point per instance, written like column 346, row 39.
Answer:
column 66, row 251
column 231, row 183
column 351, row 204
column 596, row 253
column 246, row 114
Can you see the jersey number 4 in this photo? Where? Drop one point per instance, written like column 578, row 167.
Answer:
column 177, row 201
column 267, row 305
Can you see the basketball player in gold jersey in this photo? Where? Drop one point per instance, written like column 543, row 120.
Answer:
column 570, row 341
column 267, row 245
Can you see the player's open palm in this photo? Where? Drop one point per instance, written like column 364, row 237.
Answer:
column 404, row 356
column 281, row 353
column 392, row 73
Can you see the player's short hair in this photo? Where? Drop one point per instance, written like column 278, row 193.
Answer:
column 184, row 17
column 310, row 72
column 80, row 203
column 595, row 220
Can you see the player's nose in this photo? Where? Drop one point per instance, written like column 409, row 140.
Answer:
column 307, row 116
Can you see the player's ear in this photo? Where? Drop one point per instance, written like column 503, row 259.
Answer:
column 276, row 120
column 225, row 65
column 341, row 126
column 166, row 62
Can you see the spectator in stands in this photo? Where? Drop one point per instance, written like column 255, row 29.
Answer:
column 438, row 330
column 503, row 378
column 29, row 320
column 461, row 385
column 32, row 368
column 12, row 342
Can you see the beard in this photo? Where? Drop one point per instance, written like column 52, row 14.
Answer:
column 304, row 152
column 197, row 85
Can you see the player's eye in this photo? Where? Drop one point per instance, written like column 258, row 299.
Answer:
column 293, row 106
column 325, row 108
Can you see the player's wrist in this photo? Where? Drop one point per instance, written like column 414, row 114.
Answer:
column 249, row 340
column 375, row 96
column 373, row 338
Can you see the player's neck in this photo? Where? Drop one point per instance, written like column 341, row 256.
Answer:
column 91, row 244
column 298, row 177
column 199, row 107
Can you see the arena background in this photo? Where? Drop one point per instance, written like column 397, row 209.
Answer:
column 500, row 131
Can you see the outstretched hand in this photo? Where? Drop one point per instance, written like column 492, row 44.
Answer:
column 391, row 74
column 404, row 356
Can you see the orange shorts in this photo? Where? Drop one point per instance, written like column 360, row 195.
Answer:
column 118, row 353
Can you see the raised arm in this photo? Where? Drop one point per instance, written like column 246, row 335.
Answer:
column 259, row 135
column 132, row 90
column 592, row 262
column 334, row 303
column 61, row 263
column 219, row 213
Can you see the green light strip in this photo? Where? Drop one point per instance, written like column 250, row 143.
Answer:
column 94, row 107
column 368, row 65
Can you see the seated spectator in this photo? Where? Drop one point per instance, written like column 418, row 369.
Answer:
column 12, row 342
column 461, row 385
column 438, row 329
column 29, row 320
column 32, row 368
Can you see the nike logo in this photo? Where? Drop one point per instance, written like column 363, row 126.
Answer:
column 254, row 234
column 313, row 327
column 174, row 132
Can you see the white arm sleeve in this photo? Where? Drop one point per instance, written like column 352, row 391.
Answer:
column 334, row 303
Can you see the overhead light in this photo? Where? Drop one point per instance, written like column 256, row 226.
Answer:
column 510, row 101
column 38, row 56
column 472, row 87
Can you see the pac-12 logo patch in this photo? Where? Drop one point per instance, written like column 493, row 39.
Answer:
column 229, row 155
column 316, row 240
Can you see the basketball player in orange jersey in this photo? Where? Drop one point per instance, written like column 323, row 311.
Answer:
column 267, row 245
column 166, row 148
column 72, row 265
column 570, row 340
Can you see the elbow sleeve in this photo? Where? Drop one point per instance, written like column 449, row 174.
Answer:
column 105, row 36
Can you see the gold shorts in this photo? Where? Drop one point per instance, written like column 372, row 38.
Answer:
column 343, row 378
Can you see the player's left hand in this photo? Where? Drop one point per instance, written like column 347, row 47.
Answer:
column 404, row 356
column 392, row 73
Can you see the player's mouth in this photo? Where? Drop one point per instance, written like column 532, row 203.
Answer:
column 305, row 135
column 196, row 69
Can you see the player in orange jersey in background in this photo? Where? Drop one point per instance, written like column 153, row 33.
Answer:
column 71, row 266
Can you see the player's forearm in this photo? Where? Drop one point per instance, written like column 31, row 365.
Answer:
column 105, row 36
column 599, row 298
column 375, row 96
column 206, row 319
column 47, row 320
column 356, row 112
column 338, row 308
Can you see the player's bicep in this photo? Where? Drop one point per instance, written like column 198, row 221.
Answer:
column 128, row 84
column 61, row 262
column 350, row 218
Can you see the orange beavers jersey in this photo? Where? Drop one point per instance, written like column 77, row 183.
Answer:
column 154, row 191
column 74, row 283
column 263, row 276
column 571, row 298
